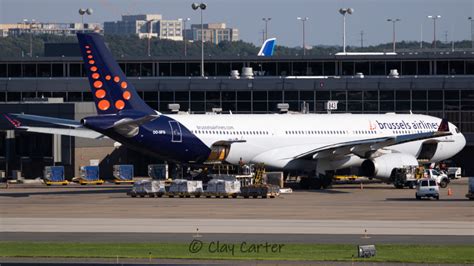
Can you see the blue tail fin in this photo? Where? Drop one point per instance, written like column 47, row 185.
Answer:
column 110, row 88
column 268, row 47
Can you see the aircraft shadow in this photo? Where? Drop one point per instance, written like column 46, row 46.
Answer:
column 67, row 192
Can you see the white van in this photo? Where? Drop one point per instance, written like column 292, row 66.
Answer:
column 427, row 188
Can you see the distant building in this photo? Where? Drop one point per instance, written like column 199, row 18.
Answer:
column 64, row 29
column 144, row 26
column 213, row 32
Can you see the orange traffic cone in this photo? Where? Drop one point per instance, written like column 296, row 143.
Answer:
column 450, row 192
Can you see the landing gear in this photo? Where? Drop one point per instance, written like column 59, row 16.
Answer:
column 317, row 182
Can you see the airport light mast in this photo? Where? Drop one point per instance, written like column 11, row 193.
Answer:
column 303, row 20
column 32, row 21
column 266, row 20
column 184, row 20
column 394, row 21
column 83, row 12
column 434, row 18
column 201, row 6
column 150, row 31
column 343, row 12
column 472, row 33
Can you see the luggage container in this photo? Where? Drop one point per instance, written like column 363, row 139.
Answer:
column 158, row 171
column 222, row 188
column 150, row 188
column 90, row 175
column 54, row 175
column 470, row 192
column 123, row 174
column 185, row 188
column 263, row 191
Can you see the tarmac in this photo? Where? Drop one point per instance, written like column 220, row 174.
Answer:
column 344, row 214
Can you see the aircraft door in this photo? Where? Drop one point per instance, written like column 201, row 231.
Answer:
column 176, row 135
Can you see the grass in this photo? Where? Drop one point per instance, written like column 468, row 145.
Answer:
column 317, row 252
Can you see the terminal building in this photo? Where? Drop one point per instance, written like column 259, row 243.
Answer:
column 433, row 83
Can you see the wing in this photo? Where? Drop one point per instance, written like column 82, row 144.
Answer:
column 364, row 148
column 75, row 128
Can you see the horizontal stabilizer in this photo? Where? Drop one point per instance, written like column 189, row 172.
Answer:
column 49, row 120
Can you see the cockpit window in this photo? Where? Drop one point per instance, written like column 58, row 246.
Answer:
column 457, row 130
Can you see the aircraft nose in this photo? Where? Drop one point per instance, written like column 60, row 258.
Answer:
column 462, row 141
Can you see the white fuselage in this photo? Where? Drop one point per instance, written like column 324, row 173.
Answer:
column 276, row 139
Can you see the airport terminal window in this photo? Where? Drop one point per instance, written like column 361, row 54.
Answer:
column 435, row 95
column 354, row 95
column 197, row 107
column 229, row 106
column 87, row 96
column 181, row 96
column 300, row 68
column 166, row 96
column 57, row 70
column 284, row 69
column 183, row 105
column 178, row 69
column 197, row 96
column 223, row 69
column 329, row 68
column 133, row 69
column 419, row 106
column 402, row 106
column 210, row 69
column 387, row 95
column 74, row 96
column 2, row 96
column 259, row 96
column 269, row 68
column 291, row 95
column 13, row 96
column 122, row 66
column 14, row 70
column 244, row 96
column 456, row 67
column 354, row 106
column 362, row 67
column 307, row 96
column 338, row 95
column 275, row 96
column 408, row 68
column 151, row 96
column 451, row 95
column 260, row 107
column 194, row 69
column 164, row 69
column 442, row 67
column 322, row 96
column 146, row 70
column 210, row 105
column 213, row 96
column 60, row 95
column 75, row 70
column 402, row 95
column 154, row 105
column 315, row 68
column 228, row 96
column 44, row 70
column 393, row 65
column 244, row 107
column 377, row 68
column 373, row 106
column 470, row 67
column 435, row 105
column 418, row 95
column 3, row 70
column 29, row 70
column 348, row 68
column 371, row 95
column 423, row 67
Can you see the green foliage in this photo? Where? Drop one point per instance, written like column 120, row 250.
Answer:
column 314, row 252
column 125, row 46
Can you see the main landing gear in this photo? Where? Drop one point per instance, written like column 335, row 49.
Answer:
column 317, row 181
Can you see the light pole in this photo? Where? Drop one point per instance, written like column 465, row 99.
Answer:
column 83, row 12
column 394, row 21
column 472, row 33
column 184, row 20
column 343, row 12
column 266, row 20
column 149, row 36
column 201, row 6
column 303, row 20
column 434, row 18
column 31, row 33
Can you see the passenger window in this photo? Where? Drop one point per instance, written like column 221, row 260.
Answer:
column 432, row 183
column 424, row 183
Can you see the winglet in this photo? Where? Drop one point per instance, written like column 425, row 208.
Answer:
column 268, row 47
column 443, row 126
column 12, row 121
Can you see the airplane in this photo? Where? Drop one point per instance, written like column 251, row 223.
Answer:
column 317, row 144
column 268, row 47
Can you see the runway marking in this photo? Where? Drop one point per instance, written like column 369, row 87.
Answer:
column 240, row 226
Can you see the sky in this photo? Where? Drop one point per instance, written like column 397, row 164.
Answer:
column 324, row 26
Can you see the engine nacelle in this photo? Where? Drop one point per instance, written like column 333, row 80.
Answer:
column 382, row 166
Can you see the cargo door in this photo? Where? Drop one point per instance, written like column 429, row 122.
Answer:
column 176, row 135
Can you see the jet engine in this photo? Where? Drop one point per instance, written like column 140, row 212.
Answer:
column 382, row 166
